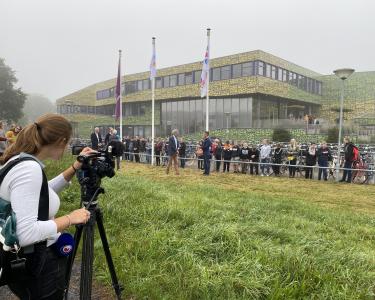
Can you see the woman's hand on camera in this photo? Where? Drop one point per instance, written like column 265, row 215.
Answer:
column 86, row 151
column 79, row 216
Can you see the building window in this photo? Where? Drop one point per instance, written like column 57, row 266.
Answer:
column 142, row 109
column 130, row 87
column 166, row 81
column 260, row 68
column 247, row 69
column 181, row 79
column 140, row 85
column 112, row 92
column 225, row 72
column 268, row 70
column 285, row 75
column 236, row 71
column 189, row 78
column 173, row 80
column 158, row 82
column 273, row 72
column 197, row 76
column 146, row 84
column 279, row 74
column 216, row 74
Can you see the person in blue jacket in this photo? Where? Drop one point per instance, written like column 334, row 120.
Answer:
column 206, row 152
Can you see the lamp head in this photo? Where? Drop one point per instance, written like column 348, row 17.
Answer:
column 343, row 73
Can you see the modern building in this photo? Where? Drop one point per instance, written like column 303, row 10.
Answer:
column 247, row 90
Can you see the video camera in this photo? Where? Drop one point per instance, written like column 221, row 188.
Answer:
column 94, row 167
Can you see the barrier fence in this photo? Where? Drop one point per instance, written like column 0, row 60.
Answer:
column 332, row 167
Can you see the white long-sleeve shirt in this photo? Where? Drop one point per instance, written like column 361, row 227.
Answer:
column 265, row 151
column 21, row 186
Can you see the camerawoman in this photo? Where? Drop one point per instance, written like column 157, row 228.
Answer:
column 38, row 270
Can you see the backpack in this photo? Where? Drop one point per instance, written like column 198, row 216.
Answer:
column 355, row 153
column 12, row 262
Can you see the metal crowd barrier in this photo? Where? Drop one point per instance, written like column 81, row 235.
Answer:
column 269, row 164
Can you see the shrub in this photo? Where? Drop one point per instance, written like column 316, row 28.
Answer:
column 333, row 135
column 281, row 135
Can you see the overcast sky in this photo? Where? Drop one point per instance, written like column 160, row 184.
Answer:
column 60, row 46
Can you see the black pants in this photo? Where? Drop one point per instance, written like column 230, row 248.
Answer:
column 46, row 277
column 182, row 161
column 157, row 155
column 226, row 166
column 136, row 157
column 309, row 172
column 292, row 168
column 347, row 175
column 207, row 164
column 276, row 168
column 254, row 167
column 323, row 170
column 218, row 163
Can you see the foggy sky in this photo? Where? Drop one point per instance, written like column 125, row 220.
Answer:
column 58, row 47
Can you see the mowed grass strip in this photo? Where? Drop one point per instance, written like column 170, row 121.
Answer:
column 236, row 237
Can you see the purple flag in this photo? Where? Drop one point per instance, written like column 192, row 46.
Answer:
column 118, row 91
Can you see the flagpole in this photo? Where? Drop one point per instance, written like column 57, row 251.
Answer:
column 119, row 52
column 153, row 110
column 208, row 82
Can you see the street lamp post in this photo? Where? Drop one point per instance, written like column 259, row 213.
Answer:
column 343, row 74
column 227, row 114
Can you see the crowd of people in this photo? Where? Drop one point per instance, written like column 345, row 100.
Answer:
column 239, row 157
column 8, row 137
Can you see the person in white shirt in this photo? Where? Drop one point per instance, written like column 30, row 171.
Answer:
column 265, row 155
column 47, row 138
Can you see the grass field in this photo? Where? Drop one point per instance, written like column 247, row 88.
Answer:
column 234, row 236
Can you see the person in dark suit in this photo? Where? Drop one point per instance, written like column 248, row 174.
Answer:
column 173, row 146
column 96, row 139
column 206, row 153
column 182, row 153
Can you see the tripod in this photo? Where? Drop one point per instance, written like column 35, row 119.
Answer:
column 87, row 229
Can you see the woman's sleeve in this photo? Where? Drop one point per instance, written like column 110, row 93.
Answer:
column 58, row 183
column 24, row 190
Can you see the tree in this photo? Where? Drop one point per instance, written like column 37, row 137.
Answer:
column 12, row 99
column 35, row 106
column 281, row 135
column 333, row 135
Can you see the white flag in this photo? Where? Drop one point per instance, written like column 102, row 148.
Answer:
column 204, row 75
column 153, row 64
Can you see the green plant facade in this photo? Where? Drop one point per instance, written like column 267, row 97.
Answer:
column 359, row 90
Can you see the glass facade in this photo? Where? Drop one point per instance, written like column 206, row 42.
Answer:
column 189, row 116
column 251, row 68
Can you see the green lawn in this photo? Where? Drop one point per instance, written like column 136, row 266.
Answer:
column 235, row 236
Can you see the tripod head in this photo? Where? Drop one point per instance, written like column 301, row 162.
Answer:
column 94, row 167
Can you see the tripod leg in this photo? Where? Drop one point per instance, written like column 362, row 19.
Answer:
column 87, row 259
column 108, row 256
column 68, row 273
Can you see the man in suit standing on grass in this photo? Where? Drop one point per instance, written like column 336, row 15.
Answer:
column 206, row 153
column 96, row 139
column 173, row 146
